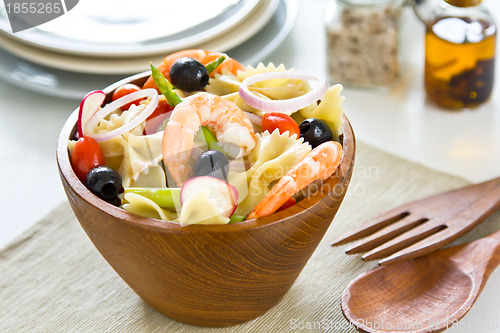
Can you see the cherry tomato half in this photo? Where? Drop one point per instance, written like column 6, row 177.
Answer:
column 163, row 107
column 86, row 155
column 280, row 121
column 126, row 89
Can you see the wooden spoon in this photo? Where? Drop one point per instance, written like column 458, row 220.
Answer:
column 426, row 294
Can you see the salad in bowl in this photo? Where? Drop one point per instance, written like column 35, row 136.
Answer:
column 206, row 140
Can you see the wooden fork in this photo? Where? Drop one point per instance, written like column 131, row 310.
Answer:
column 420, row 227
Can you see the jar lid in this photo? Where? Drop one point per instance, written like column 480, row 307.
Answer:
column 464, row 3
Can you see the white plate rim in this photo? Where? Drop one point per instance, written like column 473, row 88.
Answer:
column 35, row 38
column 109, row 66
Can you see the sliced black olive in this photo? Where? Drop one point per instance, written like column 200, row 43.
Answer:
column 211, row 163
column 315, row 131
column 104, row 182
column 188, row 74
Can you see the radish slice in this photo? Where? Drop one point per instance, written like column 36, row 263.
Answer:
column 287, row 106
column 220, row 199
column 98, row 116
column 89, row 105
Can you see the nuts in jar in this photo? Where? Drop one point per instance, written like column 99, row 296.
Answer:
column 363, row 38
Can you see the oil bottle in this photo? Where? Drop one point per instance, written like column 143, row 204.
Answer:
column 460, row 44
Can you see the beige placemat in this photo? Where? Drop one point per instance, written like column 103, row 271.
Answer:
column 52, row 279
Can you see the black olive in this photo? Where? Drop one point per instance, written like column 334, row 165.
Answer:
column 315, row 131
column 188, row 74
column 211, row 163
column 104, row 182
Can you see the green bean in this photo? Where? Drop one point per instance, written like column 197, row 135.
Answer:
column 212, row 65
column 237, row 218
column 165, row 86
column 205, row 135
column 163, row 197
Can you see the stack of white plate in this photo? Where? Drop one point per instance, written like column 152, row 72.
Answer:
column 98, row 42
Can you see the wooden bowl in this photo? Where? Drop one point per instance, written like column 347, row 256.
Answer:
column 206, row 275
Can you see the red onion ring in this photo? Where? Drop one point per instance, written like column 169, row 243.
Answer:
column 99, row 115
column 287, row 106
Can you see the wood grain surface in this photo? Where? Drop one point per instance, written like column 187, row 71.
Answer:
column 207, row 275
column 422, row 295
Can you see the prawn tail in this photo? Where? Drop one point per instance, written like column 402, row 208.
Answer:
column 279, row 194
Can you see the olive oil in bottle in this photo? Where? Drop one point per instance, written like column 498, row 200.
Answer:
column 460, row 55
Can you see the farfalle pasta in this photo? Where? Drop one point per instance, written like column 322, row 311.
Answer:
column 140, row 205
column 202, row 209
column 145, row 153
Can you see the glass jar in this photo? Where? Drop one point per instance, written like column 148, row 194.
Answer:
column 460, row 43
column 364, row 42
